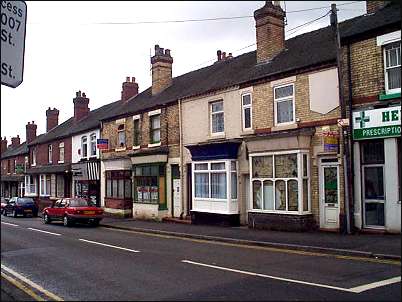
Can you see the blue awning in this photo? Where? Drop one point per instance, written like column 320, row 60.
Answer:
column 212, row 151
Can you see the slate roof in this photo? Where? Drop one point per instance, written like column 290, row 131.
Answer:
column 303, row 51
column 307, row 50
column 11, row 152
column 71, row 127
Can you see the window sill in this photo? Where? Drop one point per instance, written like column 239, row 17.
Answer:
column 154, row 145
column 284, row 126
column 279, row 212
column 120, row 149
column 247, row 131
column 213, row 136
column 60, row 162
column 136, row 147
column 389, row 95
column 144, row 202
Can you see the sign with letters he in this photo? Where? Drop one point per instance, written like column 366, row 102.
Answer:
column 377, row 123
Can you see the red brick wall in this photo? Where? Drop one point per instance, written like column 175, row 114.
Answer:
column 20, row 160
column 42, row 152
column 122, row 204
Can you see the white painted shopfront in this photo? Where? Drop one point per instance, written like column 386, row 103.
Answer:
column 377, row 160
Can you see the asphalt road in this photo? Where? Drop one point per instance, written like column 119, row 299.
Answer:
column 87, row 263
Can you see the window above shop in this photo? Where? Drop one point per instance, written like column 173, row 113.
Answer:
column 284, row 104
column 246, row 111
column 392, row 66
column 217, row 118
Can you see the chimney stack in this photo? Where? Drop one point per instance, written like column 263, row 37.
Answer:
column 129, row 89
column 81, row 108
column 15, row 141
column 374, row 6
column 3, row 145
column 52, row 118
column 270, row 31
column 31, row 131
column 161, row 70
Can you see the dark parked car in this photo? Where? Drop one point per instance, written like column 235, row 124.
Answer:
column 70, row 210
column 4, row 201
column 20, row 206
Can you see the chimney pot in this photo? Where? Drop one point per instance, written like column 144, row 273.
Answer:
column 127, row 79
column 167, row 52
column 132, row 79
column 219, row 54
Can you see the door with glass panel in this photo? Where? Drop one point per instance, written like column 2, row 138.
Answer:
column 373, row 185
column 329, row 193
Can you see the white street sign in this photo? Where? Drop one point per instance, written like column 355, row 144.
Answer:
column 13, row 25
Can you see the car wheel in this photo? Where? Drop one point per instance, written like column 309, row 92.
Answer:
column 14, row 213
column 67, row 221
column 95, row 223
column 46, row 218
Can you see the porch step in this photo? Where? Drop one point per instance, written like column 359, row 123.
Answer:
column 176, row 220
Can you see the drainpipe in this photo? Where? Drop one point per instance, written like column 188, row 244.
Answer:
column 181, row 161
column 345, row 138
column 351, row 142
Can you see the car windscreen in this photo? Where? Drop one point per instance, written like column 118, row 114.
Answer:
column 80, row 203
column 26, row 201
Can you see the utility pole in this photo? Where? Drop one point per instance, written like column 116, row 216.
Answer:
column 345, row 133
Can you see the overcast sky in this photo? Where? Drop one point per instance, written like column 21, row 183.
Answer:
column 69, row 48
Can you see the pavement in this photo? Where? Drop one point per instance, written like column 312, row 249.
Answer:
column 382, row 246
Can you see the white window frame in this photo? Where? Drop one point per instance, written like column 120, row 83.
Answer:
column 243, row 108
column 30, row 188
column 50, row 153
column 84, row 137
column 61, row 158
column 46, row 190
column 299, row 180
column 278, row 100
column 119, row 147
column 92, row 142
column 33, row 157
column 151, row 130
column 384, row 52
column 15, row 166
column 26, row 162
column 213, row 113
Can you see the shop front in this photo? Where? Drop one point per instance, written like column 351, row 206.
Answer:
column 12, row 185
column 377, row 160
column 86, row 181
column 149, row 170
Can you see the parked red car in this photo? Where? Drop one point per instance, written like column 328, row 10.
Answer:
column 71, row 210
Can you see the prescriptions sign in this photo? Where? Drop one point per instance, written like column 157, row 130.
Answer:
column 13, row 25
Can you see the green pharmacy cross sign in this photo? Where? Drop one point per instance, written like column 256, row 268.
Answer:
column 377, row 123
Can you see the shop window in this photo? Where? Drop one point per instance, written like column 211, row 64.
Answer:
column 284, row 104
column 392, row 65
column 118, row 184
column 155, row 129
column 246, row 111
column 275, row 182
column 233, row 178
column 149, row 184
column 92, row 139
column 217, row 118
column 84, row 146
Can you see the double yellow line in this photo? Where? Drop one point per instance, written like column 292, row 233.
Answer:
column 27, row 286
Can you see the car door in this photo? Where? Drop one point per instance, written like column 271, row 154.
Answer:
column 10, row 205
column 53, row 210
column 62, row 209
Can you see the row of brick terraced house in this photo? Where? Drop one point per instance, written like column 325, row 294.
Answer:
column 257, row 139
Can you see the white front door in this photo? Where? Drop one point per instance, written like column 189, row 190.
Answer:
column 329, row 193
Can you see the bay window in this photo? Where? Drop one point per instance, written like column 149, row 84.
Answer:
column 392, row 65
column 214, row 183
column 44, row 184
column 284, row 104
column 30, row 185
column 280, row 182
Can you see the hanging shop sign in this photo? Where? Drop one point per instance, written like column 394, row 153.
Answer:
column 377, row 123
